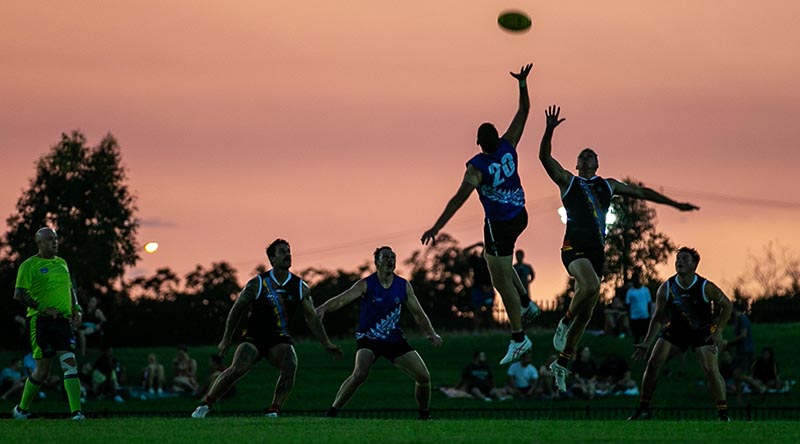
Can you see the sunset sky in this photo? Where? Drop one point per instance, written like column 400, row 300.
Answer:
column 341, row 126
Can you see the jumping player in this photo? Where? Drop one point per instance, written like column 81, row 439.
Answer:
column 493, row 172
column 586, row 197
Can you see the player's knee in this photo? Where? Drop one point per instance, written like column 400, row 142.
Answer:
column 424, row 379
column 360, row 375
column 68, row 364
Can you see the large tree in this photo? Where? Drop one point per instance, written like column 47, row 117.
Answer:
column 81, row 192
column 633, row 244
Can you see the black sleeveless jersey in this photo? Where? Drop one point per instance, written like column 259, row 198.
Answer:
column 688, row 308
column 275, row 303
column 586, row 202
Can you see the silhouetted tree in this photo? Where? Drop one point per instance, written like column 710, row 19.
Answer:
column 81, row 192
column 633, row 244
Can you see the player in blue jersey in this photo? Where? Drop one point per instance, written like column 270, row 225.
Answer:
column 493, row 172
column 684, row 309
column 382, row 295
column 270, row 298
column 586, row 197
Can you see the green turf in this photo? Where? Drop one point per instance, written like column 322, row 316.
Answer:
column 320, row 430
column 319, row 378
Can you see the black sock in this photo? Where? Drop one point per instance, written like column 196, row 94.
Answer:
column 524, row 300
column 564, row 357
column 424, row 414
column 518, row 336
column 332, row 412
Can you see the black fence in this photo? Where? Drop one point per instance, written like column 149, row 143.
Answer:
column 747, row 413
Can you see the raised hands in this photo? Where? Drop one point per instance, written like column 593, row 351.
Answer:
column 552, row 113
column 523, row 72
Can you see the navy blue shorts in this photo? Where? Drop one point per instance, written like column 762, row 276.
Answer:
column 596, row 256
column 389, row 350
column 500, row 237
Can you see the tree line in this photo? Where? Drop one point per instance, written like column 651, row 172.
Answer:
column 81, row 191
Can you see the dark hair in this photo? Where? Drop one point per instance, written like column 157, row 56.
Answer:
column 695, row 255
column 588, row 150
column 182, row 347
column 378, row 251
column 488, row 137
column 274, row 245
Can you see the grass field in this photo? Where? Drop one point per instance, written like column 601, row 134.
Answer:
column 319, row 377
column 320, row 430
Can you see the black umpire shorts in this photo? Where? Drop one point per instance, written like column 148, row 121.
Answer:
column 49, row 336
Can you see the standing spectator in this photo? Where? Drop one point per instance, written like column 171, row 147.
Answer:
column 481, row 291
column 11, row 381
column 153, row 379
column 93, row 320
column 526, row 276
column 585, row 372
column 638, row 299
column 522, row 378
column 743, row 342
column 185, row 369
column 765, row 370
column 616, row 313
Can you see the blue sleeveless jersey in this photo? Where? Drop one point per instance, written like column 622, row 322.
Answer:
column 500, row 189
column 380, row 310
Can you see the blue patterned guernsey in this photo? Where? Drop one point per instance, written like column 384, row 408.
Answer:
column 500, row 189
column 587, row 202
column 380, row 310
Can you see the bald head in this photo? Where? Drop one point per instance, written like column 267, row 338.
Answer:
column 47, row 241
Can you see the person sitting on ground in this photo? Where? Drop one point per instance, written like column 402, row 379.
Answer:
column 614, row 375
column 477, row 379
column 522, row 378
column 584, row 371
column 106, row 376
column 11, row 381
column 547, row 381
column 153, row 379
column 185, row 369
column 765, row 370
column 93, row 320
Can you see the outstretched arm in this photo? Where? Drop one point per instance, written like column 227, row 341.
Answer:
column 656, row 323
column 645, row 193
column 514, row 132
column 238, row 312
column 472, row 178
column 315, row 325
column 554, row 169
column 420, row 317
column 351, row 294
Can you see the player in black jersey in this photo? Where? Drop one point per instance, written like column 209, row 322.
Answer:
column 693, row 312
column 586, row 197
column 271, row 298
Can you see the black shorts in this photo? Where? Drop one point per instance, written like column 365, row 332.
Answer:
column 596, row 256
column 389, row 350
column 500, row 237
column 265, row 341
column 684, row 338
column 49, row 336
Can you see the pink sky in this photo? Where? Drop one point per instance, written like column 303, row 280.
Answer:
column 344, row 125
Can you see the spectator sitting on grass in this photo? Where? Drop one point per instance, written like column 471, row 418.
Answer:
column 477, row 380
column 522, row 378
column 11, row 380
column 153, row 379
column 185, row 369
